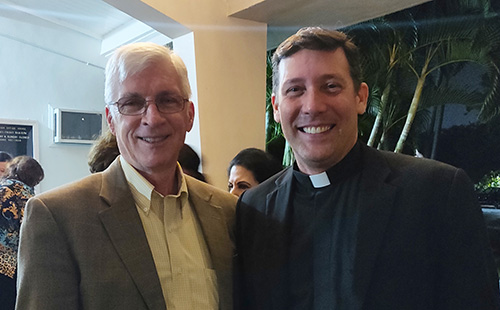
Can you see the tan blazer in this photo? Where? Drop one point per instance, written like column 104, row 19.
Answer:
column 83, row 246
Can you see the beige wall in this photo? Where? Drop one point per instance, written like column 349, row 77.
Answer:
column 230, row 70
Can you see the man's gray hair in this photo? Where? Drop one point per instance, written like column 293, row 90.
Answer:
column 133, row 58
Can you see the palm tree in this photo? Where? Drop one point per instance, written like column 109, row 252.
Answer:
column 383, row 47
column 453, row 43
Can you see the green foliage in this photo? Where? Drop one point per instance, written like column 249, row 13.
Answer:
column 435, row 42
column 431, row 43
column 489, row 182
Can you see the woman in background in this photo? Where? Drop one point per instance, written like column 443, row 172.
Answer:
column 4, row 159
column 16, row 187
column 103, row 152
column 249, row 168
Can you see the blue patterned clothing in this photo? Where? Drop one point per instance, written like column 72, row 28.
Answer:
column 13, row 196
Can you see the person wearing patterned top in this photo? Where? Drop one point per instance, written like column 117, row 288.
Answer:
column 16, row 187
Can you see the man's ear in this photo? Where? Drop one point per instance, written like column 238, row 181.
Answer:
column 276, row 111
column 362, row 97
column 109, row 119
column 190, row 111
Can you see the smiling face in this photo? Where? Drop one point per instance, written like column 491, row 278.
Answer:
column 318, row 106
column 151, row 142
column 240, row 179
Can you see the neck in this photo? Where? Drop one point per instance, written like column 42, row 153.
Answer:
column 165, row 182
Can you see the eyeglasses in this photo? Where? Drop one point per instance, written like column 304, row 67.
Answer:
column 166, row 103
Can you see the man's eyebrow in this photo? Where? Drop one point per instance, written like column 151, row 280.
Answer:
column 331, row 76
column 131, row 94
column 293, row 80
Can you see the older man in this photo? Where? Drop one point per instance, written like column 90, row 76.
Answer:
column 349, row 227
column 140, row 235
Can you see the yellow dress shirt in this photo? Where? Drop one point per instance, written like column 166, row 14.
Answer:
column 177, row 243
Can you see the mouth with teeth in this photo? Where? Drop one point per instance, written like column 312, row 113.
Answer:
column 153, row 139
column 315, row 130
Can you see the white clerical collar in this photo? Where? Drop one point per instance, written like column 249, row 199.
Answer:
column 320, row 180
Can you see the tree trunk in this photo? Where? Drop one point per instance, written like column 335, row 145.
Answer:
column 378, row 119
column 412, row 111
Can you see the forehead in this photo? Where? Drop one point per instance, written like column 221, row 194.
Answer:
column 239, row 172
column 307, row 64
column 157, row 76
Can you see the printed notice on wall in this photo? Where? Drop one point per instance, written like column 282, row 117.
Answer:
column 17, row 138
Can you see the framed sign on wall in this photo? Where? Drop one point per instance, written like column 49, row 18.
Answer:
column 19, row 137
column 73, row 126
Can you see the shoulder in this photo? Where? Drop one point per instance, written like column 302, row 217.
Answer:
column 81, row 190
column 411, row 166
column 260, row 192
column 209, row 193
column 203, row 194
column 13, row 188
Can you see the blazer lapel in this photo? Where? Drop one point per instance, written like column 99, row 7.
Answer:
column 376, row 206
column 276, row 240
column 124, row 227
column 280, row 197
column 214, row 224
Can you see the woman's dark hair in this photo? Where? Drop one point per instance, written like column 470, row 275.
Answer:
column 25, row 169
column 260, row 163
column 4, row 156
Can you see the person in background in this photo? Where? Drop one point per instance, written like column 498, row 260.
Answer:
column 4, row 159
column 249, row 168
column 17, row 184
column 103, row 152
column 348, row 226
column 190, row 163
column 141, row 234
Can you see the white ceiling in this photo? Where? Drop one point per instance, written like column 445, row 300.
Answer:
column 99, row 19
column 285, row 17
column 94, row 18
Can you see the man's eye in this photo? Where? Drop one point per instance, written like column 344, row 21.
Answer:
column 167, row 100
column 132, row 102
column 294, row 91
column 331, row 87
column 229, row 187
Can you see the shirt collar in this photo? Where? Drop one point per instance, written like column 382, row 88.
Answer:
column 348, row 166
column 142, row 189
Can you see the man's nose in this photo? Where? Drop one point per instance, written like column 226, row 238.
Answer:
column 313, row 102
column 152, row 114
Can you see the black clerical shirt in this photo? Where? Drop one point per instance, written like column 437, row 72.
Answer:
column 323, row 223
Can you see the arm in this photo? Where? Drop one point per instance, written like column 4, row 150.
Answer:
column 468, row 279
column 47, row 273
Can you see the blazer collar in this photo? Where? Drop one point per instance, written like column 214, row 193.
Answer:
column 376, row 207
column 124, row 227
column 277, row 201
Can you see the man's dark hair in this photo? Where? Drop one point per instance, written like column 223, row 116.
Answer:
column 260, row 163
column 318, row 39
column 25, row 169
